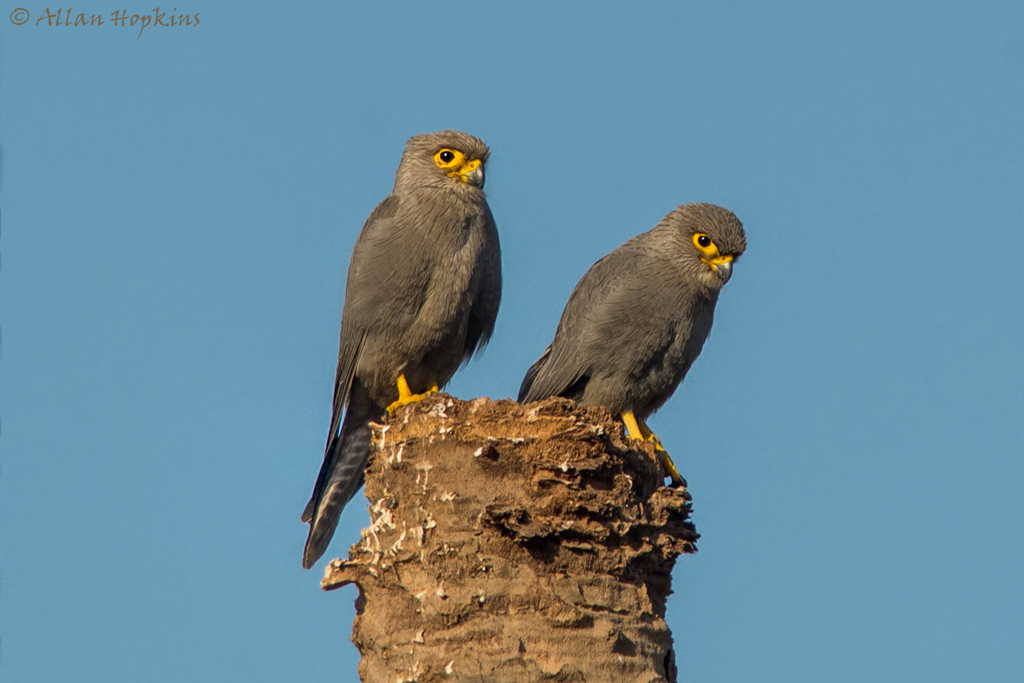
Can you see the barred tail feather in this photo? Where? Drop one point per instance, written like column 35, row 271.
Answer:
column 341, row 474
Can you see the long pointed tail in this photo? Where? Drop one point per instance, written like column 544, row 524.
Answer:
column 341, row 475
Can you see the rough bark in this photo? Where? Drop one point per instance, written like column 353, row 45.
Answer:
column 514, row 543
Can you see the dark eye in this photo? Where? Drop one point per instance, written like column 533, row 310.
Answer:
column 704, row 241
column 446, row 156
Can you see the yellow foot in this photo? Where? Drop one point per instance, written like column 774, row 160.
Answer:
column 670, row 467
column 639, row 430
column 406, row 396
column 631, row 426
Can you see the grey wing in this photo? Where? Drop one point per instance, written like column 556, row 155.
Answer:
column 565, row 366
column 560, row 371
column 485, row 306
column 353, row 333
column 355, row 321
column 530, row 389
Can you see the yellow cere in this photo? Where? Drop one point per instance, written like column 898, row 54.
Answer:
column 456, row 161
column 710, row 250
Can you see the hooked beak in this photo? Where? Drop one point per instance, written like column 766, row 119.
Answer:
column 472, row 172
column 722, row 267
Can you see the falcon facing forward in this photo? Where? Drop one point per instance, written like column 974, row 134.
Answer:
column 423, row 290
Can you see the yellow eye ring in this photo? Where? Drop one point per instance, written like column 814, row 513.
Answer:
column 448, row 158
column 705, row 245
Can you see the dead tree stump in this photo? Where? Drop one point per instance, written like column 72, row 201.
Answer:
column 514, row 543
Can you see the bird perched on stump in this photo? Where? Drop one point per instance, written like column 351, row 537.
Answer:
column 639, row 318
column 423, row 289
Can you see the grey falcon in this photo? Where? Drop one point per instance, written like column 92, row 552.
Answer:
column 424, row 284
column 639, row 318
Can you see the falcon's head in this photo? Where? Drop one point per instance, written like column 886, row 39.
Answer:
column 712, row 239
column 450, row 159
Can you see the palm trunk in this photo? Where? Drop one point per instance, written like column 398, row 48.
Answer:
column 514, row 543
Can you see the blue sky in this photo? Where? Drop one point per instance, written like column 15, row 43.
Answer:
column 178, row 209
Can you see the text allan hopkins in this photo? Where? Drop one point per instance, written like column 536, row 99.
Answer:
column 119, row 18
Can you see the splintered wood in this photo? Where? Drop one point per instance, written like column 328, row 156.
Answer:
column 514, row 543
